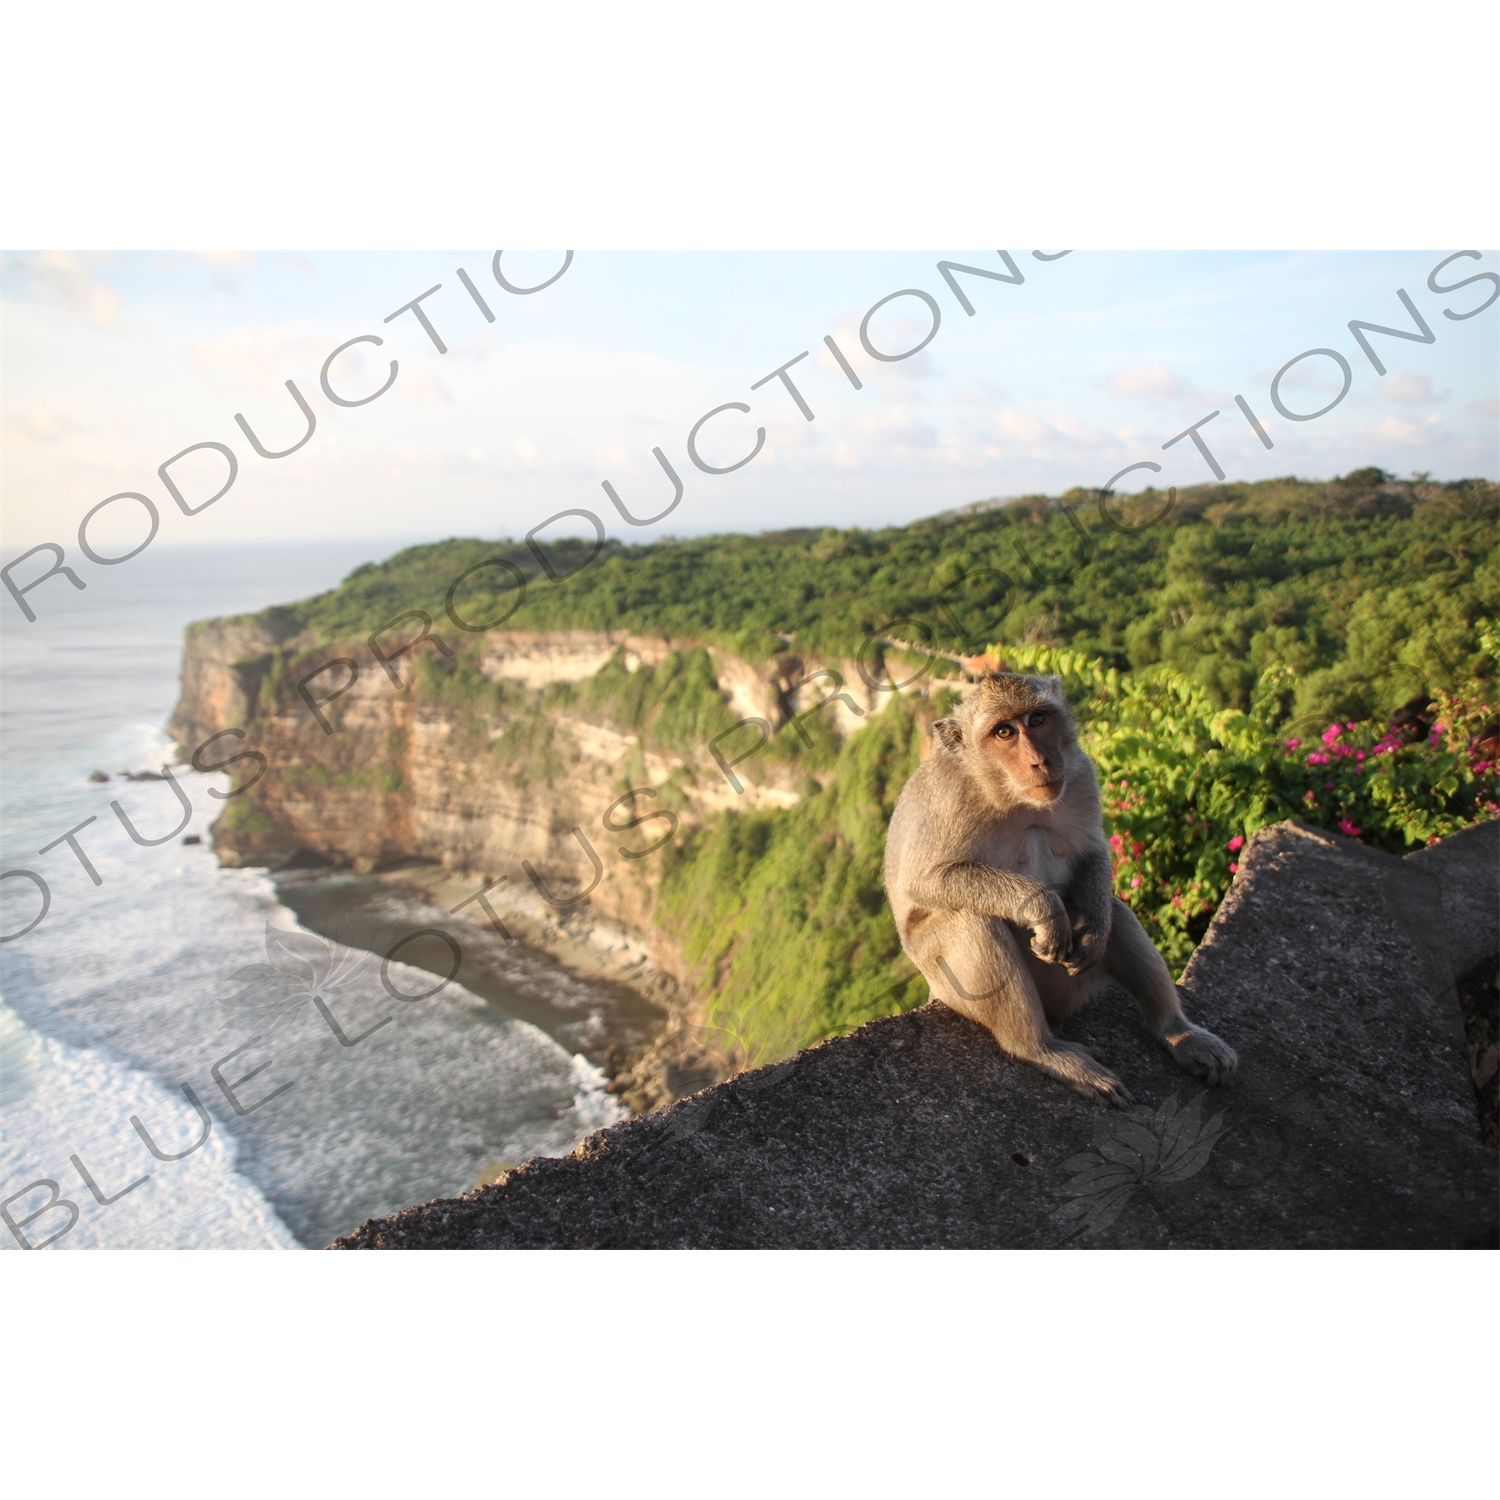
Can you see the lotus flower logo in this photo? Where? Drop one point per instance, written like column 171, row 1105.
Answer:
column 1170, row 1144
column 301, row 966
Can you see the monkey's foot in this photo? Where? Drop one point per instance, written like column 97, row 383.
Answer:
column 1202, row 1054
column 1079, row 1068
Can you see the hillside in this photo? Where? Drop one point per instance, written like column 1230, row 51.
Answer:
column 1208, row 654
column 1364, row 586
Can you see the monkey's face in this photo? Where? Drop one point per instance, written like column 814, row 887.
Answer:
column 1027, row 748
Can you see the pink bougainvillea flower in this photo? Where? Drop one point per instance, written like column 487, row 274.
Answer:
column 1135, row 881
column 1234, row 869
column 1292, row 744
column 1116, row 842
column 1236, row 843
column 1349, row 828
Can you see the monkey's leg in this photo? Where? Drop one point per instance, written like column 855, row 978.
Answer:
column 1131, row 958
column 974, row 964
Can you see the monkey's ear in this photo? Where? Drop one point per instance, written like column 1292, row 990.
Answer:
column 948, row 733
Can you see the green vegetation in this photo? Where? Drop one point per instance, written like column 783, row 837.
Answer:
column 1186, row 783
column 246, row 817
column 1208, row 651
column 783, row 914
column 675, row 705
column 1368, row 589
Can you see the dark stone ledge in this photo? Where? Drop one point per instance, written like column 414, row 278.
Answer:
column 1352, row 1122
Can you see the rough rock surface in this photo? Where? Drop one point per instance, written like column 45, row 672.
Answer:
column 1467, row 869
column 1352, row 1122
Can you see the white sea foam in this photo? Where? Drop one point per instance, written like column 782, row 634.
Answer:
column 57, row 1102
column 119, row 998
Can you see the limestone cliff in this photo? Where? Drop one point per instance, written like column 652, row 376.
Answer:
column 413, row 762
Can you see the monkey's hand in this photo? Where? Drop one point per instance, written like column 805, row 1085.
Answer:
column 1044, row 913
column 1090, row 938
column 1089, row 942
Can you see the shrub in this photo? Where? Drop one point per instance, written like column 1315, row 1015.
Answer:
column 1185, row 783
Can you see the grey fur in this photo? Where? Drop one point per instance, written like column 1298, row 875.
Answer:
column 999, row 877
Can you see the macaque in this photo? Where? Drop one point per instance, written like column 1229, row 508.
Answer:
column 999, row 878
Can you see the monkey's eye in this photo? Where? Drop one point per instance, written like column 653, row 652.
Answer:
column 1004, row 732
column 1039, row 717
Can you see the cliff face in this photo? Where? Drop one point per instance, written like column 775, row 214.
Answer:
column 223, row 662
column 480, row 784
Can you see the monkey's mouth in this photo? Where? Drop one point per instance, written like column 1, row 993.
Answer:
column 1046, row 791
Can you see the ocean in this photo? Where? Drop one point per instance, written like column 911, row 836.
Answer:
column 172, row 1005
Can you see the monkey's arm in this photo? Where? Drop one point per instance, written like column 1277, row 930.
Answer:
column 971, row 886
column 1089, row 902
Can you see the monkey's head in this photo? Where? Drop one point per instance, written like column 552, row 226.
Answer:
column 1013, row 733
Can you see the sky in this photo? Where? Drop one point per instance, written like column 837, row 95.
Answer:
column 112, row 364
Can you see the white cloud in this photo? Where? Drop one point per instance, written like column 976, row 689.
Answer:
column 1148, row 380
column 238, row 260
column 60, row 276
column 38, row 425
column 983, row 393
column 1080, row 432
column 1404, row 386
column 1486, row 406
column 1021, row 427
column 892, row 330
column 899, row 428
column 1407, row 433
column 422, row 388
column 1317, row 375
column 261, row 356
column 477, row 347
